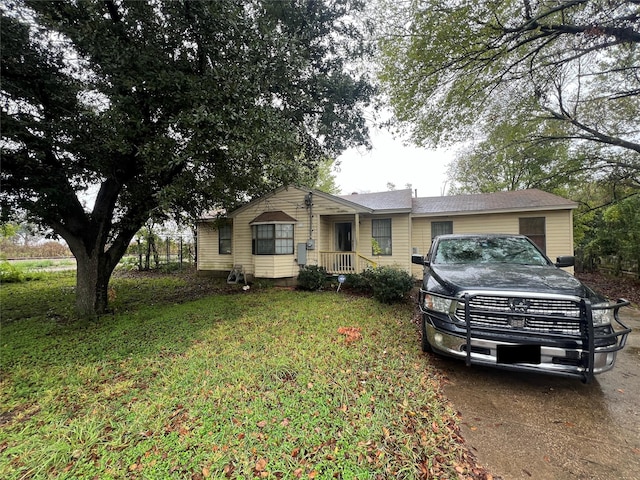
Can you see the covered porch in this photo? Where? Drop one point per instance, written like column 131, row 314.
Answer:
column 344, row 246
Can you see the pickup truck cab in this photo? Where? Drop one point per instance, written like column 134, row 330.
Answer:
column 497, row 300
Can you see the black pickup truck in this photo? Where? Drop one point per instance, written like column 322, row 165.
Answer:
column 497, row 300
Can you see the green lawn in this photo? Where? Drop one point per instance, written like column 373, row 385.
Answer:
column 38, row 264
column 257, row 384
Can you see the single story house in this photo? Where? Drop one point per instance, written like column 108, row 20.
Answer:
column 275, row 235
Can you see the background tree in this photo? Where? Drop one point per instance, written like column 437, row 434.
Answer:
column 607, row 224
column 113, row 110
column 516, row 153
column 323, row 179
column 450, row 67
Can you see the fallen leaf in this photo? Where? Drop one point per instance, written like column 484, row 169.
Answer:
column 261, row 465
column 262, row 424
column 205, row 471
column 228, row 470
column 313, row 474
column 351, row 334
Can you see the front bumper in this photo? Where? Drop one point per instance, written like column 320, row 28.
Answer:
column 582, row 355
column 553, row 359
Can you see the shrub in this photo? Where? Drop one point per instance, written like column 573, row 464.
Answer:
column 360, row 282
column 386, row 284
column 390, row 285
column 10, row 273
column 312, row 277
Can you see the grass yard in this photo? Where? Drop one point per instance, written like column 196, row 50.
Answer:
column 267, row 383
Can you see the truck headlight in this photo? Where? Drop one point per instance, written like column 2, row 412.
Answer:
column 437, row 304
column 602, row 314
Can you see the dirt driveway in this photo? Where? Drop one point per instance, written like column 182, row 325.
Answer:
column 524, row 426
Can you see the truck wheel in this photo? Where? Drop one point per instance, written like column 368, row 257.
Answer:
column 424, row 341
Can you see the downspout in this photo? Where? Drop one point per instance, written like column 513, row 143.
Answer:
column 310, row 197
column 308, row 201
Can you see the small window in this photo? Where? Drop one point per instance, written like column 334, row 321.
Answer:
column 441, row 228
column 224, row 239
column 381, row 237
column 535, row 229
column 272, row 239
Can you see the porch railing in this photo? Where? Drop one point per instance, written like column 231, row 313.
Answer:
column 345, row 262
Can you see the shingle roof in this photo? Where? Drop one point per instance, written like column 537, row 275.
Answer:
column 392, row 200
column 273, row 217
column 401, row 201
column 532, row 199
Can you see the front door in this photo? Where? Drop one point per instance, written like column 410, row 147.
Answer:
column 343, row 237
column 343, row 261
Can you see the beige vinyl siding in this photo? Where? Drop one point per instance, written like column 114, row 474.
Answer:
column 325, row 238
column 208, row 256
column 558, row 223
column 559, row 227
column 275, row 266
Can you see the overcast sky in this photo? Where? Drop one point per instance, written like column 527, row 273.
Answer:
column 389, row 160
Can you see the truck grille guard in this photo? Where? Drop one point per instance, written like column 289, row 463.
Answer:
column 586, row 333
column 587, row 336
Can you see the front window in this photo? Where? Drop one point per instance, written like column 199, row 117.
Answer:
column 224, row 239
column 272, row 239
column 381, row 236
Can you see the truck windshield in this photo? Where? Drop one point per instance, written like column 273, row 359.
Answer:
column 478, row 250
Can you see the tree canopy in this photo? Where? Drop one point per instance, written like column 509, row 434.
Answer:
column 460, row 71
column 113, row 110
column 509, row 159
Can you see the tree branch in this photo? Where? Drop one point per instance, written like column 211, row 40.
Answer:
column 113, row 11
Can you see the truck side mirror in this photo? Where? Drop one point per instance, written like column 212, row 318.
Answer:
column 419, row 259
column 565, row 261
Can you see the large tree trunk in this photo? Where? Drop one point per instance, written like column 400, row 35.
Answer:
column 95, row 264
column 92, row 281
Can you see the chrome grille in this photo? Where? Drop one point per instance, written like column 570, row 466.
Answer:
column 541, row 315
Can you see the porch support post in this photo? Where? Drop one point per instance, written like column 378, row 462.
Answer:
column 356, row 236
